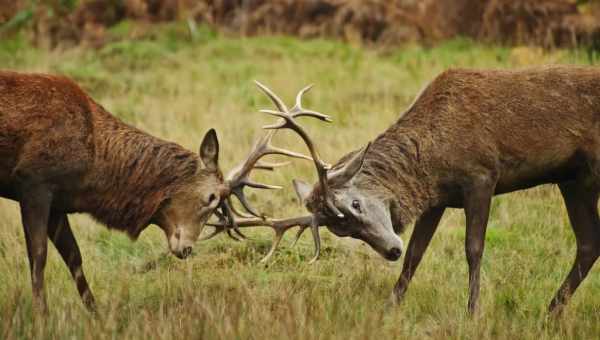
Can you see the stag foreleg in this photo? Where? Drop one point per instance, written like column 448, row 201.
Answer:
column 35, row 210
column 60, row 233
column 477, row 199
column 581, row 203
column 419, row 241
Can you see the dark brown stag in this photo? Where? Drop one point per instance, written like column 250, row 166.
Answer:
column 469, row 135
column 61, row 153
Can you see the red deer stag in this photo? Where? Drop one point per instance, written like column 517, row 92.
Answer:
column 61, row 153
column 469, row 135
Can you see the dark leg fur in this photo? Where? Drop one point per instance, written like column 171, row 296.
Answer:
column 35, row 209
column 60, row 233
column 424, row 230
column 581, row 201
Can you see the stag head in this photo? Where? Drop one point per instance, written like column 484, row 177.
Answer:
column 183, row 216
column 208, row 192
column 358, row 210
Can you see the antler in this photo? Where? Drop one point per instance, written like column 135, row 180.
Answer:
column 288, row 121
column 279, row 225
column 238, row 178
column 226, row 215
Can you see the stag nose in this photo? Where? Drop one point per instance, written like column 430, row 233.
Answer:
column 182, row 254
column 394, row 254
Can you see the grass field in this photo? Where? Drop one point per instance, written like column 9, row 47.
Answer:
column 177, row 89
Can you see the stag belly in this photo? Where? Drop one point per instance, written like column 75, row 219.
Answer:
column 536, row 171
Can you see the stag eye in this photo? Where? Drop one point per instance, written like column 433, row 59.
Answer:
column 211, row 198
column 356, row 206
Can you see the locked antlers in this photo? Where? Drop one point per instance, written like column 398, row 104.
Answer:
column 238, row 178
column 280, row 226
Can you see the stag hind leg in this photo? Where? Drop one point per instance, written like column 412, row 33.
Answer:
column 60, row 233
column 581, row 199
column 35, row 210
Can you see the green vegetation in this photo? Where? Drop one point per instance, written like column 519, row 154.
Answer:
column 177, row 89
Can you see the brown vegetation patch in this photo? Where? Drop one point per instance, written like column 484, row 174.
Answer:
column 547, row 23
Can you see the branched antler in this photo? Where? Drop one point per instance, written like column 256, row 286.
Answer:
column 238, row 178
column 279, row 225
column 288, row 121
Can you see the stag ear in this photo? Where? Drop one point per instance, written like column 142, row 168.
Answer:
column 302, row 189
column 347, row 170
column 209, row 150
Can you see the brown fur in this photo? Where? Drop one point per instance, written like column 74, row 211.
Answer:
column 52, row 131
column 526, row 127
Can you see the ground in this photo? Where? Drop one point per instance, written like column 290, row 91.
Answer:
column 178, row 89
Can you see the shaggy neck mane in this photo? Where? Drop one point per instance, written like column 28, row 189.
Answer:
column 134, row 174
column 392, row 168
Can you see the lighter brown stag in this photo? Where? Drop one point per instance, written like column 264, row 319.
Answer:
column 469, row 135
column 62, row 153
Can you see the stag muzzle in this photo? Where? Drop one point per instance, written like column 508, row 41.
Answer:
column 179, row 246
column 181, row 243
column 388, row 244
column 383, row 240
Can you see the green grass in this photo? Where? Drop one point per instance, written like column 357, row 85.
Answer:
column 177, row 89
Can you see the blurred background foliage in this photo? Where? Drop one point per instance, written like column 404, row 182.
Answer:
column 544, row 23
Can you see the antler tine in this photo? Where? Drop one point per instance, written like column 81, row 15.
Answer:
column 299, row 111
column 314, row 228
column 227, row 214
column 217, row 231
column 226, row 222
column 239, row 194
column 281, row 226
column 274, row 98
column 227, row 207
column 298, row 235
column 237, row 212
column 270, row 166
column 289, row 122
column 298, row 104
column 238, row 178
column 316, row 239
column 231, row 236
column 219, row 226
column 276, row 240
